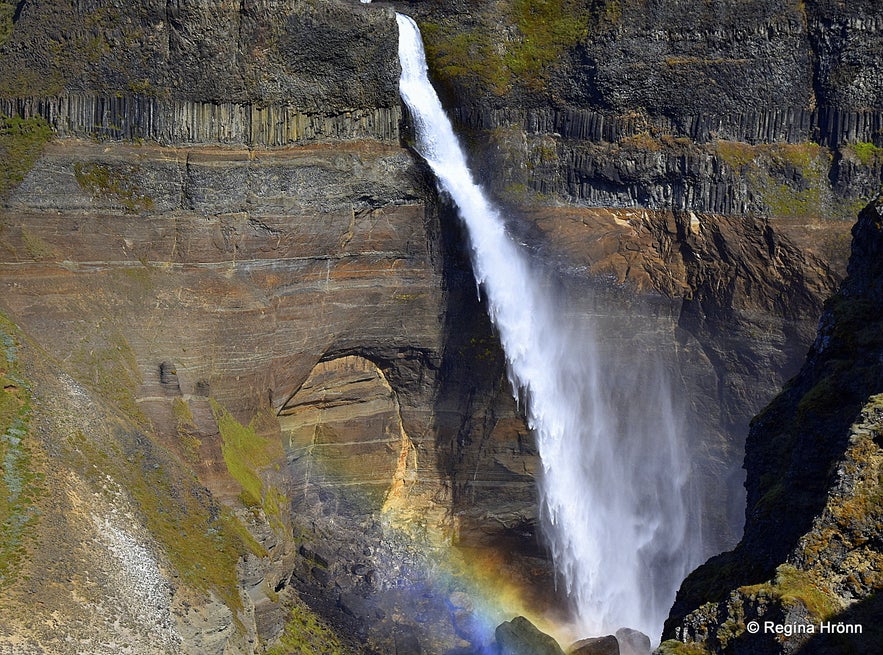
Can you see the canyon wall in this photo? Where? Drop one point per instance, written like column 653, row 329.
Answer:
column 811, row 553
column 245, row 357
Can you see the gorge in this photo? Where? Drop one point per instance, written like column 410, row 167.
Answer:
column 615, row 518
column 252, row 401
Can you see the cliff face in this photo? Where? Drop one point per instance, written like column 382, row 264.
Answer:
column 245, row 361
column 755, row 119
column 634, row 104
column 258, row 51
column 811, row 553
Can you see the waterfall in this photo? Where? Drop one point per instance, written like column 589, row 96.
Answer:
column 614, row 469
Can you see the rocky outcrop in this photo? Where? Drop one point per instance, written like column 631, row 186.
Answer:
column 811, row 551
column 216, row 299
column 178, row 122
column 209, row 290
column 596, row 104
column 241, row 52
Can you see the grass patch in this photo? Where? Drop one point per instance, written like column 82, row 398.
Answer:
column 115, row 183
column 791, row 585
column 470, row 55
column 548, row 28
column 867, row 153
column 187, row 430
column 245, row 454
column 789, row 178
column 21, row 142
column 7, row 11
column 519, row 46
column 20, row 481
column 306, row 634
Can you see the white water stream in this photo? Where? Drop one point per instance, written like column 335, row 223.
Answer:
column 614, row 465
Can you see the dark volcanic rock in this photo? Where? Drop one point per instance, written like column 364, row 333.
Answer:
column 321, row 56
column 607, row 645
column 812, row 547
column 520, row 637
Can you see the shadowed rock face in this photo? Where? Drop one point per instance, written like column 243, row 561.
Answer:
column 812, row 545
column 250, row 51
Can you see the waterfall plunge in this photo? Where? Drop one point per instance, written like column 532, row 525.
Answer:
column 614, row 466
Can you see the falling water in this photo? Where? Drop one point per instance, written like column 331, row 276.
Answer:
column 614, row 467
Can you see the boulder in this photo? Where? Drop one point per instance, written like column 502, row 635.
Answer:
column 521, row 637
column 606, row 645
column 632, row 642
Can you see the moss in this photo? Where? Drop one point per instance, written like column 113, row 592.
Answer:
column 21, row 142
column 642, row 141
column 467, row 55
column 36, row 247
column 548, row 28
column 7, row 11
column 823, row 398
column 187, row 430
column 674, row 647
column 784, row 200
column 478, row 53
column 201, row 540
column 867, row 153
column 306, row 634
column 21, row 482
column 245, row 454
column 736, row 154
column 793, row 585
column 116, row 183
column 203, row 548
column 803, row 157
column 790, row 179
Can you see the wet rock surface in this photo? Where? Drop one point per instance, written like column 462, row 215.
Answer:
column 520, row 637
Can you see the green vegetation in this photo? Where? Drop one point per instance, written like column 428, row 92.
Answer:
column 548, row 28
column 791, row 585
column 186, row 428
column 867, row 153
column 306, row 634
column 790, row 178
column 21, row 142
column 469, row 55
column 20, row 480
column 245, row 454
column 7, row 11
column 202, row 540
column 36, row 246
column 478, row 53
column 674, row 647
column 114, row 183
column 824, row 397
column 641, row 141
